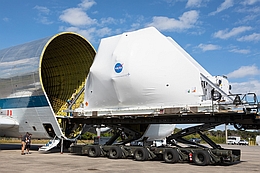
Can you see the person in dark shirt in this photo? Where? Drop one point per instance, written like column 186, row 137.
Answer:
column 28, row 143
column 24, row 142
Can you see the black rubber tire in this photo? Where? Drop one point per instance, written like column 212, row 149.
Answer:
column 94, row 151
column 141, row 154
column 171, row 156
column 115, row 153
column 201, row 158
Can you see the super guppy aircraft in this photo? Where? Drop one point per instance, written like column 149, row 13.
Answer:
column 36, row 79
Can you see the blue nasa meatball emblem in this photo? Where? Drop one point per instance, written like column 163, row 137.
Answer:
column 118, row 67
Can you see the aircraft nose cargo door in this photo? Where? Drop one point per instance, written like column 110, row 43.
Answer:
column 64, row 66
column 37, row 78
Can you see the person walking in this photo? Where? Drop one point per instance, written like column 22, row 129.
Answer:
column 28, row 143
column 24, row 142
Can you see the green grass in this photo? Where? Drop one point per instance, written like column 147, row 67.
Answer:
column 4, row 140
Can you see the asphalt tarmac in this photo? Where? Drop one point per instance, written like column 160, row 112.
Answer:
column 11, row 160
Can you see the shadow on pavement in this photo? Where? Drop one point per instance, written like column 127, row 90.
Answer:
column 18, row 147
column 34, row 147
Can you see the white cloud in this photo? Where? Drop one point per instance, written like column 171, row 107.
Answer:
column 207, row 47
column 249, row 10
column 86, row 4
column 250, row 2
column 247, row 19
column 43, row 12
column 42, row 9
column 108, row 20
column 5, row 19
column 244, row 71
column 225, row 5
column 44, row 20
column 91, row 34
column 243, row 51
column 76, row 17
column 252, row 37
column 193, row 3
column 187, row 20
column 246, row 87
column 103, row 32
column 225, row 34
column 87, row 33
column 81, row 23
column 138, row 23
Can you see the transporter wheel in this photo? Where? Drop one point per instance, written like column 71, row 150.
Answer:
column 201, row 158
column 171, row 156
column 141, row 154
column 94, row 151
column 115, row 153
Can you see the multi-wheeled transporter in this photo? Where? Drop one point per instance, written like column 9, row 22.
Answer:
column 141, row 84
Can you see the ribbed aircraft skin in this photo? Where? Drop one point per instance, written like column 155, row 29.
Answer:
column 37, row 78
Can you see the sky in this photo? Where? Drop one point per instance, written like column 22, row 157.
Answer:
column 222, row 35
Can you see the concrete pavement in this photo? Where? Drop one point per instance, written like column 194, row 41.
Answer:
column 12, row 161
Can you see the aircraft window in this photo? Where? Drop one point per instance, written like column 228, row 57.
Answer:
column 34, row 128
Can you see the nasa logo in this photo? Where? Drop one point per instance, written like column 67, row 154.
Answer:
column 118, row 67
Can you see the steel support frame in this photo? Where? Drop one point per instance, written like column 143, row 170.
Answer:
column 247, row 121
